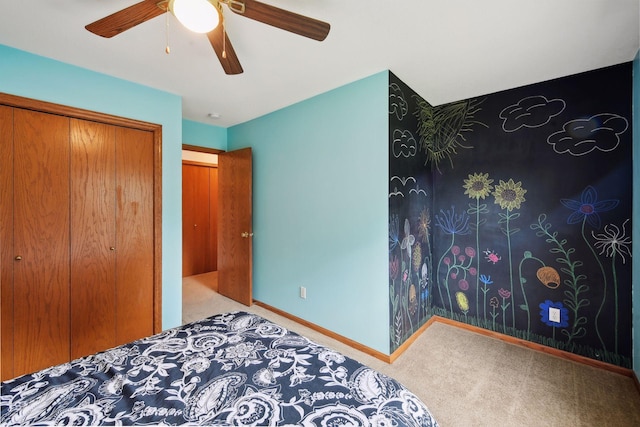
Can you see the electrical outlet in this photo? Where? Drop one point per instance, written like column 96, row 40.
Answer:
column 554, row 314
column 303, row 292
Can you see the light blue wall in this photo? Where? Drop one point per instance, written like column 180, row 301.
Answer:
column 320, row 178
column 204, row 135
column 636, row 211
column 36, row 77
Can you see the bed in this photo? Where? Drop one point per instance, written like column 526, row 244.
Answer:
column 229, row 369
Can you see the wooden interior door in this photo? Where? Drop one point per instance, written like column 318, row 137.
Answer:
column 195, row 219
column 93, row 234
column 235, row 232
column 41, row 330
column 135, row 238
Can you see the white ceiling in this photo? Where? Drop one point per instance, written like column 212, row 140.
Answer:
column 444, row 50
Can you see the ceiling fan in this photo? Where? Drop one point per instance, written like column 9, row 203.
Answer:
column 145, row 10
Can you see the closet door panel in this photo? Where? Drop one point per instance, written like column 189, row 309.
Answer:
column 213, row 220
column 93, row 235
column 134, row 234
column 6, row 242
column 41, row 240
column 195, row 219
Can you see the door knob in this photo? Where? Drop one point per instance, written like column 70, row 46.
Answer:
column 111, row 248
column 18, row 258
column 245, row 234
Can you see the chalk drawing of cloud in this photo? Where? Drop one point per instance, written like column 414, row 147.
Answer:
column 404, row 144
column 530, row 112
column 397, row 104
column 582, row 136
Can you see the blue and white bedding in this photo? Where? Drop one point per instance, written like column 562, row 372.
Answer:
column 230, row 369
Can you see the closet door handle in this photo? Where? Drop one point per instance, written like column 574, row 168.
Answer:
column 111, row 248
column 18, row 258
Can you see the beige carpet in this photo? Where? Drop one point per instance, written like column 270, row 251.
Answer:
column 468, row 379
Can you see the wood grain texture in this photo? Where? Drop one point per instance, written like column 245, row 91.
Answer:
column 127, row 18
column 135, row 245
column 235, row 252
column 6, row 243
column 223, row 48
column 212, row 255
column 41, row 238
column 9, row 103
column 195, row 220
column 93, row 234
column 285, row 20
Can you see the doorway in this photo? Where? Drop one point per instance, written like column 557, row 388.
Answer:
column 200, row 215
column 225, row 256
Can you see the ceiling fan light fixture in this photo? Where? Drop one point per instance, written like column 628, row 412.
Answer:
column 199, row 16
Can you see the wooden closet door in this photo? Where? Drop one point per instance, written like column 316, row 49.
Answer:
column 195, row 220
column 41, row 241
column 93, row 237
column 134, row 234
column 6, row 242
column 212, row 255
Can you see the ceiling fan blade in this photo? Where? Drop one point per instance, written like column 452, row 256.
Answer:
column 283, row 19
column 224, row 50
column 127, row 18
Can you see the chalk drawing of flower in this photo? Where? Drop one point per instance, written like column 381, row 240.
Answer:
column 394, row 268
column 504, row 293
column 509, row 195
column 463, row 302
column 588, row 207
column 549, row 277
column 453, row 224
column 409, row 239
column 544, row 314
column 417, row 257
column 486, row 279
column 394, row 232
column 413, row 299
column 424, row 223
column 478, row 186
column 614, row 241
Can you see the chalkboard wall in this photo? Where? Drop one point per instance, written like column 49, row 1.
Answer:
column 512, row 212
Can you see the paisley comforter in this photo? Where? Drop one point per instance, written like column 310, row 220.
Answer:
column 230, row 369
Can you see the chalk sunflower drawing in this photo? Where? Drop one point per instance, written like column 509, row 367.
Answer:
column 442, row 129
column 478, row 186
column 509, row 195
